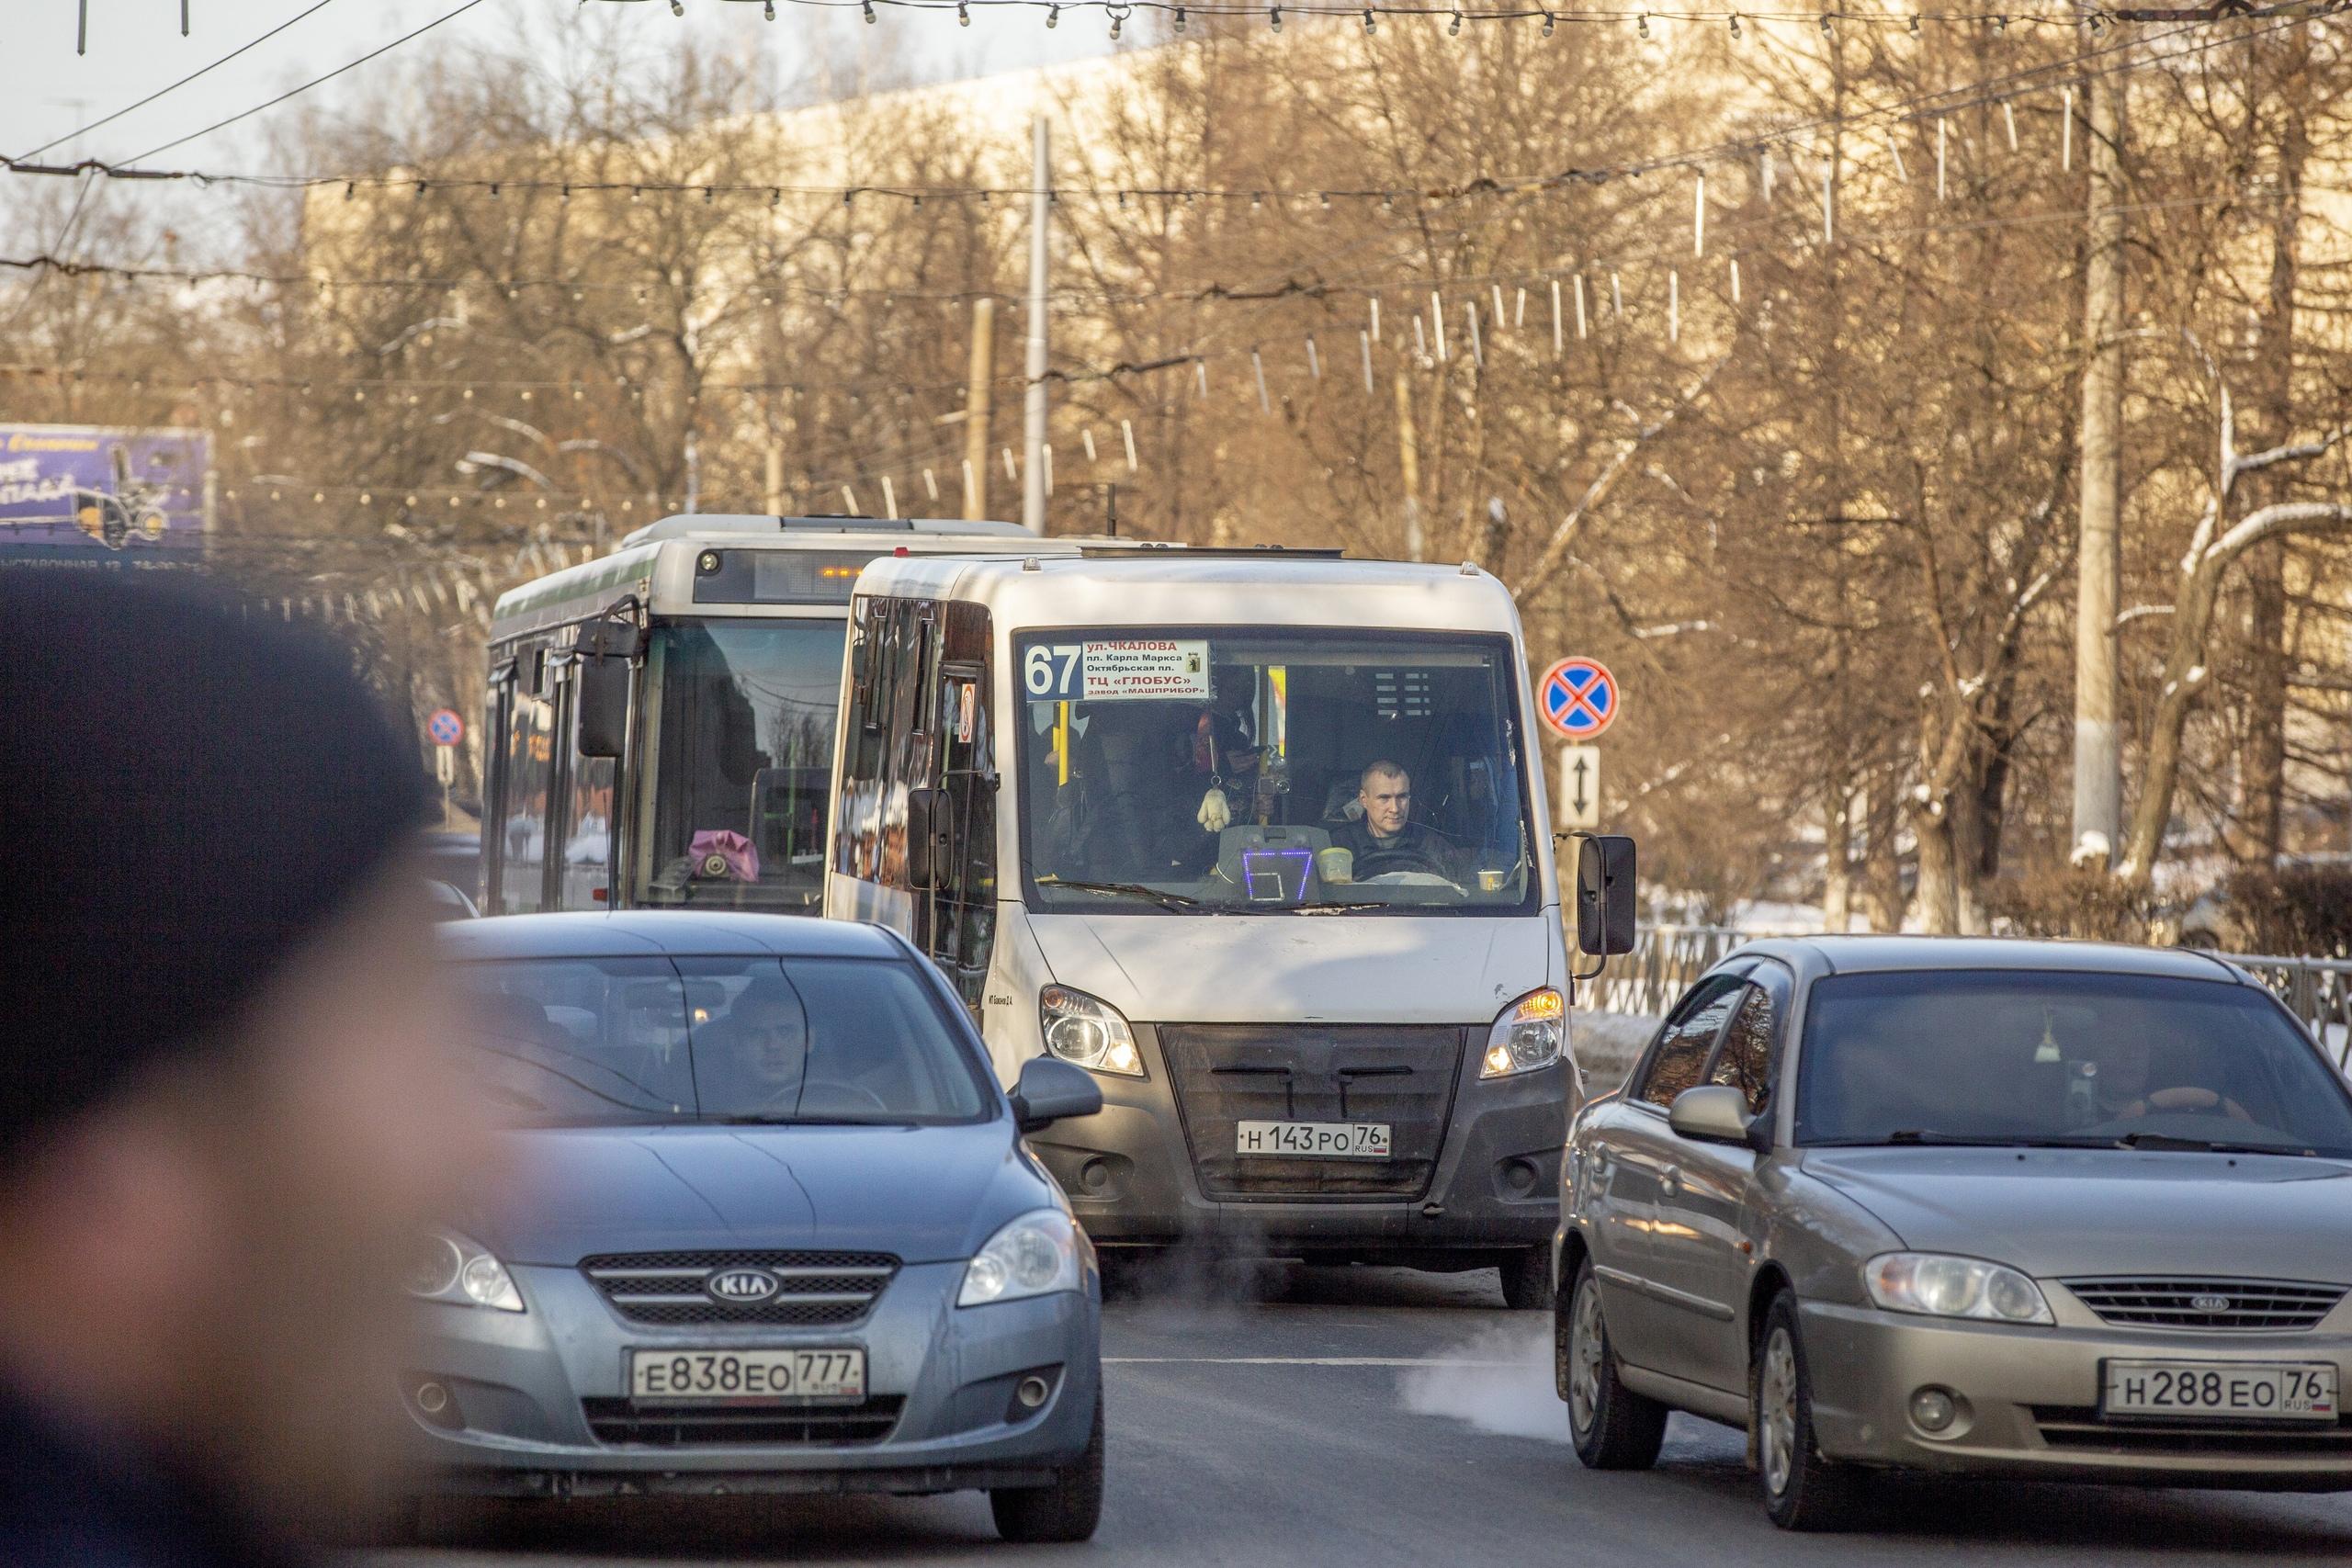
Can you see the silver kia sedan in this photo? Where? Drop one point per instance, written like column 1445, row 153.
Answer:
column 770, row 1226
column 2043, row 1208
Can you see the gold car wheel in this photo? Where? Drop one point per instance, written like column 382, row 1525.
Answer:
column 1588, row 1342
column 1776, row 1398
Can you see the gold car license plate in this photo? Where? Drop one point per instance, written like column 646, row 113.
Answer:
column 747, row 1376
column 2224, row 1391
column 1313, row 1140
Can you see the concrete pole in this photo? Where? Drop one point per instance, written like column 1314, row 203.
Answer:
column 1033, row 472
column 2098, row 765
column 977, row 393
column 1409, row 463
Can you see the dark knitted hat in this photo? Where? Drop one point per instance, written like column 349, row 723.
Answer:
column 187, row 794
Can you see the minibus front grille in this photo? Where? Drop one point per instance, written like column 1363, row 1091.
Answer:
column 1224, row 1074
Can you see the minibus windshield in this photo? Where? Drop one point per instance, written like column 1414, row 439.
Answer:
column 1222, row 769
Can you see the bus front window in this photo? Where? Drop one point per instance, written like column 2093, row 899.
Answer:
column 1219, row 770
column 741, row 739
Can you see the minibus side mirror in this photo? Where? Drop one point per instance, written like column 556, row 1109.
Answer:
column 929, row 838
column 605, row 649
column 1049, row 1090
column 1605, row 894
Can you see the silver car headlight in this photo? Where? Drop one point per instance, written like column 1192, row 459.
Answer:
column 1528, row 1037
column 449, row 1267
column 1955, row 1287
column 1089, row 1032
column 1036, row 1255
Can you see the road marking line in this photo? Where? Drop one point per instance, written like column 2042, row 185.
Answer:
column 1298, row 1361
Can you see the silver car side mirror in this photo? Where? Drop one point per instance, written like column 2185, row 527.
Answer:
column 1712, row 1114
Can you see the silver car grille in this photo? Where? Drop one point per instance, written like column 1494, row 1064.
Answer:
column 2202, row 1303
column 813, row 1289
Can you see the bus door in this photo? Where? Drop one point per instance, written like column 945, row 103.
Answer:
column 957, row 915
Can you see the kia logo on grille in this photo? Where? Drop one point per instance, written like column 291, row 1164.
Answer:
column 2210, row 1304
column 741, row 1285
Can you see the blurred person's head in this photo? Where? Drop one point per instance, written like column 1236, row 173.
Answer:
column 225, row 1111
column 1386, row 792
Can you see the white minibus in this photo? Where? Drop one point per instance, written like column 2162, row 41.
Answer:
column 1260, row 838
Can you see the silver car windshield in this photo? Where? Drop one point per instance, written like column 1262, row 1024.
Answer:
column 1218, row 770
column 629, row 1040
column 2071, row 1059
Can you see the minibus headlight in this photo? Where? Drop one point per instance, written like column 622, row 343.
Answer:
column 1089, row 1032
column 1528, row 1037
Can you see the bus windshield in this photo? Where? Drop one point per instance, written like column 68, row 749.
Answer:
column 1220, row 770
column 742, row 748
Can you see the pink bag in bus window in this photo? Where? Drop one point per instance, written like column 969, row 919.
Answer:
column 717, row 852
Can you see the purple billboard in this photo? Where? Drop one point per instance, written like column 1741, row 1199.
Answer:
column 76, row 488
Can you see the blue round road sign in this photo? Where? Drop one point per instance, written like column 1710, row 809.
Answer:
column 444, row 727
column 1579, row 697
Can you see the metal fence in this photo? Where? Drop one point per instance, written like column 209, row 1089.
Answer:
column 1667, row 959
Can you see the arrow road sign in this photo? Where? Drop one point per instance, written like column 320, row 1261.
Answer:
column 1580, row 802
column 1579, row 697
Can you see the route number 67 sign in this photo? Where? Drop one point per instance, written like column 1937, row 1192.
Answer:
column 1121, row 670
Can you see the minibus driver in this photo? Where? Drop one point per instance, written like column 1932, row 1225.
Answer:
column 1385, row 839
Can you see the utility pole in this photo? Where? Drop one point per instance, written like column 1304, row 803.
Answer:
column 2099, row 763
column 1032, row 474
column 1408, row 462
column 776, row 478
column 976, row 408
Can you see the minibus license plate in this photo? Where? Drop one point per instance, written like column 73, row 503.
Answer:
column 2235, row 1391
column 1316, row 1140
column 747, row 1376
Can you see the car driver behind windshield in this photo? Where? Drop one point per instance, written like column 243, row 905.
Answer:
column 755, row 1063
column 1385, row 839
column 2117, row 1080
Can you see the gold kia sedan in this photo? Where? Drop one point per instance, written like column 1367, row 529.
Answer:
column 2053, row 1209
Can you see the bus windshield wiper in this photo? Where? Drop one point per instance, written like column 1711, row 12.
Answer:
column 1161, row 897
column 1338, row 908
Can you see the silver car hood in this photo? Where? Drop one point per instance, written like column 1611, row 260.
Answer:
column 2056, row 1213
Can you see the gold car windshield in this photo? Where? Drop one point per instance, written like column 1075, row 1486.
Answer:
column 1928, row 1056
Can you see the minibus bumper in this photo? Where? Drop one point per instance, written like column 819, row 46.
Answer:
column 1142, row 1174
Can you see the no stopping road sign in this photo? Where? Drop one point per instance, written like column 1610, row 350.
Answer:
column 1579, row 697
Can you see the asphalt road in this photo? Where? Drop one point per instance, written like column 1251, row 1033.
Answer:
column 1279, row 1416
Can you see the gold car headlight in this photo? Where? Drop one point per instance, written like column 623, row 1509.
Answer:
column 1937, row 1286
